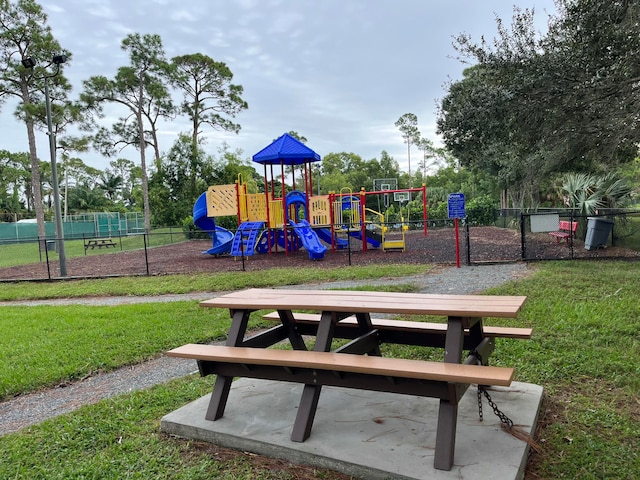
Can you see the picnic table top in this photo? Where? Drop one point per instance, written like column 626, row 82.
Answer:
column 365, row 301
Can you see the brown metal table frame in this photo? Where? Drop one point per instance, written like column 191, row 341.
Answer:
column 368, row 342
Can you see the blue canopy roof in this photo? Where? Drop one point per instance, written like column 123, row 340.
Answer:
column 288, row 150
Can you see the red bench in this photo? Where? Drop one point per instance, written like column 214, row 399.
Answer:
column 566, row 230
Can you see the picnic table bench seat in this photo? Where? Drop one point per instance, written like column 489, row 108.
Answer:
column 394, row 330
column 341, row 369
column 566, row 230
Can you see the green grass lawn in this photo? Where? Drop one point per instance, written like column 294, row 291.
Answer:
column 200, row 282
column 585, row 351
column 25, row 253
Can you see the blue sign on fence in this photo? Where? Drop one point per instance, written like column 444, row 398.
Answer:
column 455, row 205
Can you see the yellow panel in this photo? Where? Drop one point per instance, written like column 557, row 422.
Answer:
column 276, row 214
column 320, row 210
column 256, row 207
column 221, row 200
column 354, row 207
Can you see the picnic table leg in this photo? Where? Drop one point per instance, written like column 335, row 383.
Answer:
column 311, row 393
column 448, row 411
column 297, row 342
column 222, row 385
column 364, row 322
column 476, row 335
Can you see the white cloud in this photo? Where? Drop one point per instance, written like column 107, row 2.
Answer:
column 182, row 16
column 339, row 72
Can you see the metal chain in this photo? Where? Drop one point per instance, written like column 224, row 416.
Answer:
column 476, row 354
column 482, row 389
column 503, row 418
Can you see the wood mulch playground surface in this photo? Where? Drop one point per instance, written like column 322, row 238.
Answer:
column 485, row 244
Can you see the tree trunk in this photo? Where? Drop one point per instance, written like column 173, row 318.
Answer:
column 143, row 165
column 504, row 199
column 35, row 181
column 35, row 166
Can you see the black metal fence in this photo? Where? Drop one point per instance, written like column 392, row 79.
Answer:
column 514, row 236
column 563, row 235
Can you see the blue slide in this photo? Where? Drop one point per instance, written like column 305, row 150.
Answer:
column 310, row 241
column 358, row 234
column 221, row 237
column 325, row 236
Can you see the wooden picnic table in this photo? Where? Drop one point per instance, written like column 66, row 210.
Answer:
column 359, row 364
column 100, row 243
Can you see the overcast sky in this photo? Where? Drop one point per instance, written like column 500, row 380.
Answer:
column 338, row 72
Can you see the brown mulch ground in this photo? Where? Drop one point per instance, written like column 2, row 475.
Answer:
column 485, row 244
column 438, row 246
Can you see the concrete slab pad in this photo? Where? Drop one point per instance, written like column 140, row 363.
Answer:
column 366, row 434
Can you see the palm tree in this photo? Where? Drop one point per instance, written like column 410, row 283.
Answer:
column 110, row 183
column 83, row 198
column 587, row 193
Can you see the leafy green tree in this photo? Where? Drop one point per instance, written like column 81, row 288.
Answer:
column 429, row 152
column 131, row 180
column 478, row 121
column 14, row 175
column 208, row 96
column 230, row 164
column 141, row 88
column 408, row 126
column 533, row 105
column 24, row 33
column 389, row 167
column 337, row 168
column 592, row 72
column 66, row 146
column 175, row 185
column 86, row 198
column 79, row 173
column 110, row 183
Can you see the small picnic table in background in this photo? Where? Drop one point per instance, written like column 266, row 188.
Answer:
column 100, row 243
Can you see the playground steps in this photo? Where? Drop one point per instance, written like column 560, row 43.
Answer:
column 396, row 242
column 244, row 241
column 393, row 245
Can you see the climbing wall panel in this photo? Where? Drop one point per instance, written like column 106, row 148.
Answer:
column 320, row 210
column 256, row 207
column 222, row 200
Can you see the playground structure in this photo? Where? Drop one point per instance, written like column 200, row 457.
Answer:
column 294, row 220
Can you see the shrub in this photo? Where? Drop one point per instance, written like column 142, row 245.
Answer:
column 191, row 231
column 481, row 211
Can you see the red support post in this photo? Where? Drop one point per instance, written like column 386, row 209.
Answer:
column 266, row 197
column 424, row 208
column 285, row 213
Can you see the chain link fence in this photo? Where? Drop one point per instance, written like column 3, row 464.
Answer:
column 513, row 236
column 564, row 235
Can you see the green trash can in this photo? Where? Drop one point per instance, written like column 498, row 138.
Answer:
column 598, row 231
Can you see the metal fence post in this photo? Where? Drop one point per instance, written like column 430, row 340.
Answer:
column 466, row 228
column 146, row 256
column 522, row 238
